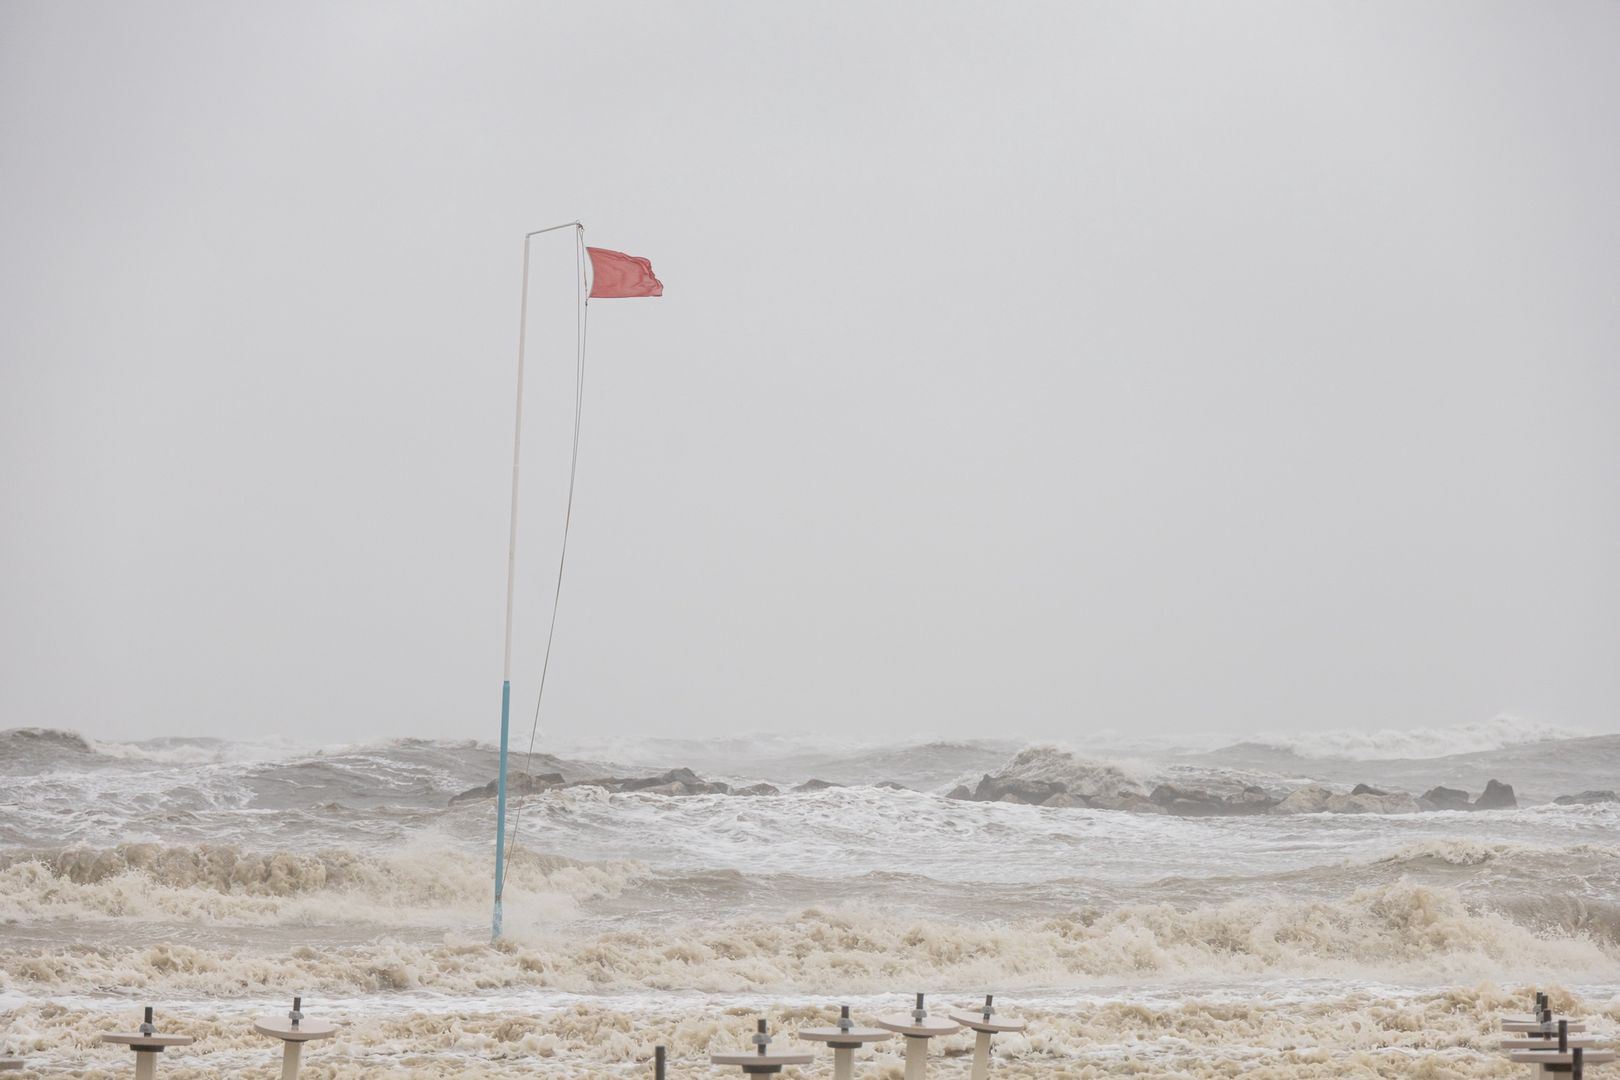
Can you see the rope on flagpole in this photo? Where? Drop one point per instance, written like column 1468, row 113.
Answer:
column 582, row 308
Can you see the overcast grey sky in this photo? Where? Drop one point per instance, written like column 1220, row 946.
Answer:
column 1022, row 369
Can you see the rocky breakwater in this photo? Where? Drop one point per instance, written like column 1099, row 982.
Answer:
column 1363, row 799
column 1496, row 796
column 1366, row 799
column 673, row 782
column 1050, row 776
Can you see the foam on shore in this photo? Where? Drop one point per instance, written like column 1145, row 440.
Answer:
column 1359, row 1035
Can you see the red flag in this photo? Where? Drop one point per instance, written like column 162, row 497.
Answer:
column 613, row 273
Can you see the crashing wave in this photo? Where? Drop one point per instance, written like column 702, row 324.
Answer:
column 1392, row 932
column 220, row 884
column 1414, row 743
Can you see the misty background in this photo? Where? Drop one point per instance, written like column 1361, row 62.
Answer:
column 1022, row 370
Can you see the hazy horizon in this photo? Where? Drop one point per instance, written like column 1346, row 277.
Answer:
column 1151, row 367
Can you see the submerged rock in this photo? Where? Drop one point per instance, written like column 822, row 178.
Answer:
column 673, row 782
column 1133, row 804
column 1587, row 798
column 816, row 785
column 1195, row 802
column 517, row 783
column 758, row 789
column 673, row 776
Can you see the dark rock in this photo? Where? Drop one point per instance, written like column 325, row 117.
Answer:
column 674, row 776
column 673, row 782
column 1320, row 799
column 1251, row 800
column 1366, row 789
column 1445, row 798
column 1587, row 798
column 758, row 789
column 1014, row 789
column 1193, row 802
column 517, row 783
column 960, row 791
column 1135, row 804
column 1497, row 796
column 890, row 785
column 1063, row 798
column 816, row 785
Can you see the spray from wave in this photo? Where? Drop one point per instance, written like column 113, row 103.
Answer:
column 1416, row 743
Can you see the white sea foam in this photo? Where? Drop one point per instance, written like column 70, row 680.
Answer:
column 1277, row 1033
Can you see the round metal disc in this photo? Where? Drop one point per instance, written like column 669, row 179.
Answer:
column 977, row 1022
column 281, row 1028
column 905, row 1024
column 746, row 1059
column 1553, row 1057
column 853, row 1035
column 1582, row 1041
column 1538, row 1026
column 135, row 1038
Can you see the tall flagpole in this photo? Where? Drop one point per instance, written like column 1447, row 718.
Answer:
column 511, row 581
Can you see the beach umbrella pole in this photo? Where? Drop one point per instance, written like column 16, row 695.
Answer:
column 981, row 1056
column 916, row 1058
column 291, row 1054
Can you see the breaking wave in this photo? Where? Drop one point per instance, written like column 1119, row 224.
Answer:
column 1391, row 932
column 222, row 885
column 1416, row 743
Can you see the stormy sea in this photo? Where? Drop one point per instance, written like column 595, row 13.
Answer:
column 1361, row 904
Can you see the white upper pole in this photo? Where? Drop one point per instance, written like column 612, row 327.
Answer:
column 511, row 582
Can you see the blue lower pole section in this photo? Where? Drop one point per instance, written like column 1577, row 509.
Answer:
column 500, row 807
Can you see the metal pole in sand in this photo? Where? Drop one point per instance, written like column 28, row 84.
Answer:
column 918, row 1028
column 844, row 1040
column 294, row 1030
column 147, row 1044
column 983, row 1021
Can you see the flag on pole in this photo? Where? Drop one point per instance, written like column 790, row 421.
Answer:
column 613, row 273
